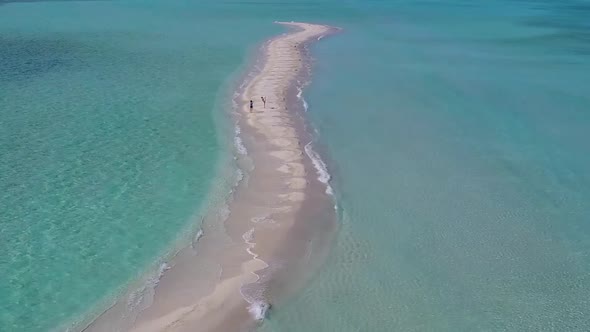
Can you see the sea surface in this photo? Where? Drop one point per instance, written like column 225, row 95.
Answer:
column 109, row 144
column 455, row 133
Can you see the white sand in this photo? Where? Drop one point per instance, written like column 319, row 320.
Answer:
column 275, row 191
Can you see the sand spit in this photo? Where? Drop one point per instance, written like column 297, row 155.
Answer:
column 230, row 277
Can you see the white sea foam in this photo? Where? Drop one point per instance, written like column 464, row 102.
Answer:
column 163, row 268
column 258, row 219
column 253, row 292
column 258, row 310
column 320, row 167
column 248, row 236
column 249, row 239
column 143, row 297
column 262, row 219
column 239, row 144
column 224, row 212
column 197, row 237
column 300, row 97
column 239, row 176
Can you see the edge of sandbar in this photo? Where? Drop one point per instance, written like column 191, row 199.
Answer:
column 265, row 208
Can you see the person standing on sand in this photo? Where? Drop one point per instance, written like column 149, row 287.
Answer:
column 263, row 101
column 251, row 105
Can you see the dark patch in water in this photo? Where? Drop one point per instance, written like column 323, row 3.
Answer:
column 5, row 2
column 25, row 1
column 25, row 58
column 570, row 22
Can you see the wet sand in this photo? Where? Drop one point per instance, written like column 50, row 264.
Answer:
column 279, row 216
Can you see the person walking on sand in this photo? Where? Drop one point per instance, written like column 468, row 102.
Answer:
column 263, row 101
column 251, row 105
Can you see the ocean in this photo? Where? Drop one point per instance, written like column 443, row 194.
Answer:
column 457, row 140
column 454, row 132
column 109, row 146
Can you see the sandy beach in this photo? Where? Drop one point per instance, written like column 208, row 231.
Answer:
column 279, row 215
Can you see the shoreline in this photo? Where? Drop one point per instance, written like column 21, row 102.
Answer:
column 245, row 257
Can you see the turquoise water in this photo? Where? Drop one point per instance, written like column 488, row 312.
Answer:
column 456, row 134
column 108, row 144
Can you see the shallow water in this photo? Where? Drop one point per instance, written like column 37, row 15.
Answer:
column 456, row 133
column 108, row 145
